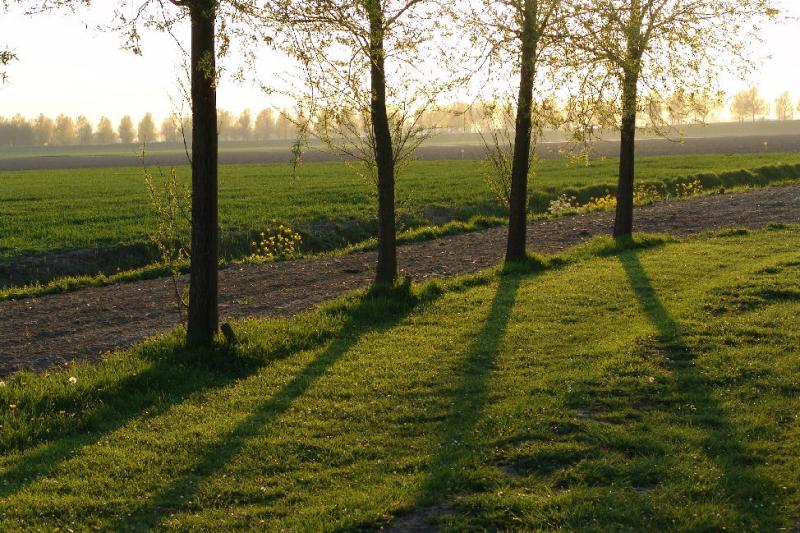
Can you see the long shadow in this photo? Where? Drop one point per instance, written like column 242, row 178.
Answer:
column 753, row 496
column 446, row 472
column 375, row 312
column 171, row 379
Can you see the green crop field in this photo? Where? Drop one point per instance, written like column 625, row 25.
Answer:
column 58, row 210
column 603, row 390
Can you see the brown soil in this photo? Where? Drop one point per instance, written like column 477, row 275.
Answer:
column 54, row 330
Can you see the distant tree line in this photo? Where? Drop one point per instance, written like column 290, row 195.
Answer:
column 678, row 108
column 750, row 105
column 64, row 130
column 459, row 117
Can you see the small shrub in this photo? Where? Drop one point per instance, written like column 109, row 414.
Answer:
column 690, row 188
column 646, row 194
column 603, row 203
column 171, row 201
column 278, row 241
column 562, row 204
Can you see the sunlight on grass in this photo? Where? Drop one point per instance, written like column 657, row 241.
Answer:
column 644, row 385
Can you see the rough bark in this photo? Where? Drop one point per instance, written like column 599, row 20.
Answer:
column 203, row 319
column 386, row 270
column 623, row 221
column 518, row 199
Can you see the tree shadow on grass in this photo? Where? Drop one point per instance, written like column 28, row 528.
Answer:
column 752, row 496
column 173, row 377
column 449, row 470
column 377, row 311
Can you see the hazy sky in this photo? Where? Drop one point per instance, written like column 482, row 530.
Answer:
column 66, row 66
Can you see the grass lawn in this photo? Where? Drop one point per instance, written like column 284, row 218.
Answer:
column 651, row 388
column 58, row 210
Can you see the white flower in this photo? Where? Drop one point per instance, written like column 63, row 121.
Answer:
column 2, row 383
column 73, row 380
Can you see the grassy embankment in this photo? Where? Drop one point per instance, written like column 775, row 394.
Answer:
column 646, row 387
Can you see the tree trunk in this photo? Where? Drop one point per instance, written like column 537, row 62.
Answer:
column 386, row 271
column 623, row 222
column 203, row 312
column 518, row 200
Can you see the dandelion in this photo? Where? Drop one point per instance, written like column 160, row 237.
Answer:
column 73, row 380
column 2, row 384
column 13, row 406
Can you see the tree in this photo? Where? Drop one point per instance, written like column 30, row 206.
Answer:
column 265, row 125
column 16, row 132
column 244, row 126
column 146, row 132
column 748, row 103
column 234, row 17
column 125, row 130
column 284, row 125
column 654, row 107
column 457, row 117
column 522, row 34
column 43, row 130
column 105, row 133
column 225, row 126
column 739, row 107
column 704, row 105
column 170, row 130
column 784, row 107
column 186, row 126
column 64, row 131
column 203, row 290
column 83, row 130
column 362, row 63
column 651, row 43
column 678, row 107
column 697, row 107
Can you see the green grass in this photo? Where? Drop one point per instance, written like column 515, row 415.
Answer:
column 72, row 283
column 49, row 211
column 639, row 386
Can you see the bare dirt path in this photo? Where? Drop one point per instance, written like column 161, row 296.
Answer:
column 54, row 330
